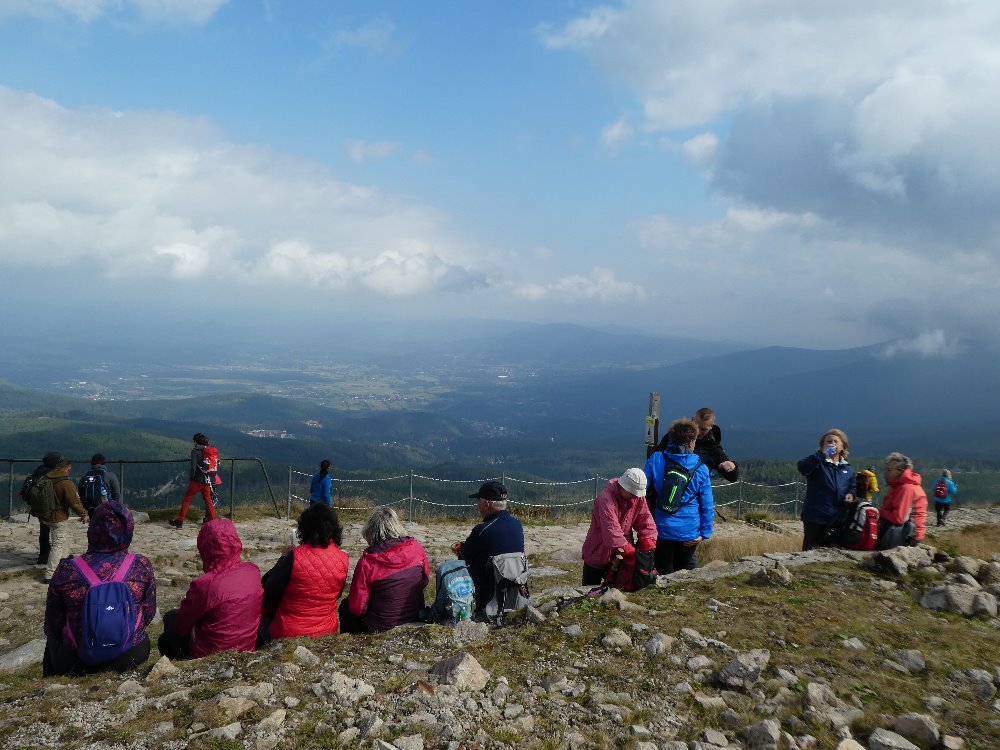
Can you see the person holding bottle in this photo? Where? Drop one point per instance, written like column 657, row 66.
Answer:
column 830, row 482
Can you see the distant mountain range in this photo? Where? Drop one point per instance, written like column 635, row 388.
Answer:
column 516, row 393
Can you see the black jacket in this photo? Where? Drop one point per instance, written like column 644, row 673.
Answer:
column 711, row 452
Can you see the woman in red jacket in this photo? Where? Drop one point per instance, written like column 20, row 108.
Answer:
column 904, row 501
column 301, row 590
column 221, row 609
column 389, row 580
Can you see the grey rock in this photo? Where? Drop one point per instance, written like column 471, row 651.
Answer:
column 130, row 687
column 573, row 631
column 229, row 732
column 659, row 643
column 617, row 638
column 348, row 736
column 984, row 603
column 967, row 565
column 693, row 637
column 696, row 663
column 854, row 643
column 163, row 668
column 337, row 687
column 911, row 659
column 461, row 670
column 883, row 739
column 850, row 744
column 383, row 745
column 920, row 729
column 774, row 576
column 989, row 574
column 950, row 598
column 370, row 726
column 729, row 719
column 744, row 671
column 950, row 742
column 410, row 741
column 764, row 735
column 235, row 706
column 467, row 631
column 305, row 657
column 823, row 703
column 715, row 737
column 710, row 702
column 274, row 720
column 22, row 657
column 531, row 614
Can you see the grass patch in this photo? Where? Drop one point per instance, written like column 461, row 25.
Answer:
column 732, row 548
column 980, row 541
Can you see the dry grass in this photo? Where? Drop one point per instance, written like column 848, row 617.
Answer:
column 732, row 548
column 981, row 541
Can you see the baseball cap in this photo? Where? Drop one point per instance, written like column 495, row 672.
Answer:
column 492, row 491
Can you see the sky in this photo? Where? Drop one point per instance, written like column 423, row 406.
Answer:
column 766, row 171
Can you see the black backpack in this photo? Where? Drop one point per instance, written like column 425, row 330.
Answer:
column 93, row 489
column 670, row 497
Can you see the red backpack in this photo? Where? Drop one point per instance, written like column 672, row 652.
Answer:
column 209, row 459
column 941, row 488
column 860, row 529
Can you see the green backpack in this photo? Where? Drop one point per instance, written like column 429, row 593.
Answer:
column 43, row 500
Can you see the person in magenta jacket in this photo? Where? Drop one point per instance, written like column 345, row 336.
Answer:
column 221, row 609
column 905, row 498
column 618, row 511
column 389, row 580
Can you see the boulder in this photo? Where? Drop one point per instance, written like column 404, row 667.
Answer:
column 461, row 670
column 920, row 729
column 883, row 739
column 22, row 657
column 744, row 671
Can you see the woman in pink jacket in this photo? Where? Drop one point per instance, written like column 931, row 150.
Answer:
column 905, row 499
column 221, row 609
column 619, row 510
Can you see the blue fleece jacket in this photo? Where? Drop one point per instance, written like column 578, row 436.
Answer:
column 696, row 516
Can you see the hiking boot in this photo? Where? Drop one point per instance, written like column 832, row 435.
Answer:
column 176, row 523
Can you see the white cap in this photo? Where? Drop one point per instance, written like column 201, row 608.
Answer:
column 633, row 481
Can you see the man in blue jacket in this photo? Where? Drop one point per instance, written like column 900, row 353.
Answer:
column 498, row 534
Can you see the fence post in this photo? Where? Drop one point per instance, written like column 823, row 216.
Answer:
column 10, row 488
column 288, row 499
column 232, row 485
column 410, row 514
column 597, row 489
column 739, row 501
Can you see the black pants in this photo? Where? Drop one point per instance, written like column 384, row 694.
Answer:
column 44, row 545
column 942, row 512
column 817, row 535
column 169, row 643
column 672, row 556
column 349, row 623
column 61, row 659
column 593, row 576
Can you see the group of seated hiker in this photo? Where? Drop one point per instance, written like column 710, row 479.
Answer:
column 100, row 603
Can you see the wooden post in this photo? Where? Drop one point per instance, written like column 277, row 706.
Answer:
column 653, row 424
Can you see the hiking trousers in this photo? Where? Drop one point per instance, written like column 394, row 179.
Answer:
column 58, row 545
column 206, row 493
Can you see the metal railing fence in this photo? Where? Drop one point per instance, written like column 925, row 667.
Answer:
column 120, row 464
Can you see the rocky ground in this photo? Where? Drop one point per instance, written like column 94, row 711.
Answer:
column 788, row 650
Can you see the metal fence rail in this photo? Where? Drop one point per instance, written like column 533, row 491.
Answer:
column 121, row 464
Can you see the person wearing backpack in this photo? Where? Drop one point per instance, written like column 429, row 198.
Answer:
column 679, row 490
column 221, row 609
column 203, row 478
column 499, row 533
column 620, row 523
column 866, row 484
column 944, row 491
column 84, row 636
column 52, row 497
column 98, row 484
column 321, row 485
column 387, row 588
column 903, row 515
column 49, row 462
column 830, row 483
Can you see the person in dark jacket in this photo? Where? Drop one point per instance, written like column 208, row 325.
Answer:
column 302, row 589
column 830, row 483
column 499, row 533
column 108, row 538
column 49, row 462
column 202, row 479
column 389, row 579
column 680, row 531
column 708, row 446
column 113, row 488
column 221, row 609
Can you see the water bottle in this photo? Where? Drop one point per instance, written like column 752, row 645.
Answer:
column 463, row 614
column 293, row 538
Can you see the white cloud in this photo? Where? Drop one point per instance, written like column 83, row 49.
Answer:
column 615, row 134
column 362, row 151
column 580, row 32
column 602, row 285
column 700, row 148
column 186, row 11
column 148, row 195
column 375, row 37
column 928, row 344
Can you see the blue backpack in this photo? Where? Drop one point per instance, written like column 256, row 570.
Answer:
column 110, row 618
column 456, row 594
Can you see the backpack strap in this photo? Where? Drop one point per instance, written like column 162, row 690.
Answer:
column 87, row 572
column 123, row 568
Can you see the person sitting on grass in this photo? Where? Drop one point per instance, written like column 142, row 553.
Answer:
column 221, row 609
column 302, row 589
column 389, row 579
column 108, row 538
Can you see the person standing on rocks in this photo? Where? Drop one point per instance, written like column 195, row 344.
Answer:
column 830, row 482
column 944, row 493
column 498, row 534
column 680, row 491
column 620, row 523
column 49, row 462
column 54, row 515
column 98, row 484
column 203, row 478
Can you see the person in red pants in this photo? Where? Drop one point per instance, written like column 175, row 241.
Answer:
column 204, row 477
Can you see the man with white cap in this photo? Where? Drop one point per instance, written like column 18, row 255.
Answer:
column 618, row 511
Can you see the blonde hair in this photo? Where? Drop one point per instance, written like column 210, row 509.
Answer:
column 946, row 474
column 839, row 433
column 898, row 461
column 381, row 525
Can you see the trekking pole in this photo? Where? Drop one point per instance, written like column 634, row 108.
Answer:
column 616, row 562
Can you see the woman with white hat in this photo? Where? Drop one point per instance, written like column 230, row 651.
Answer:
column 618, row 511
